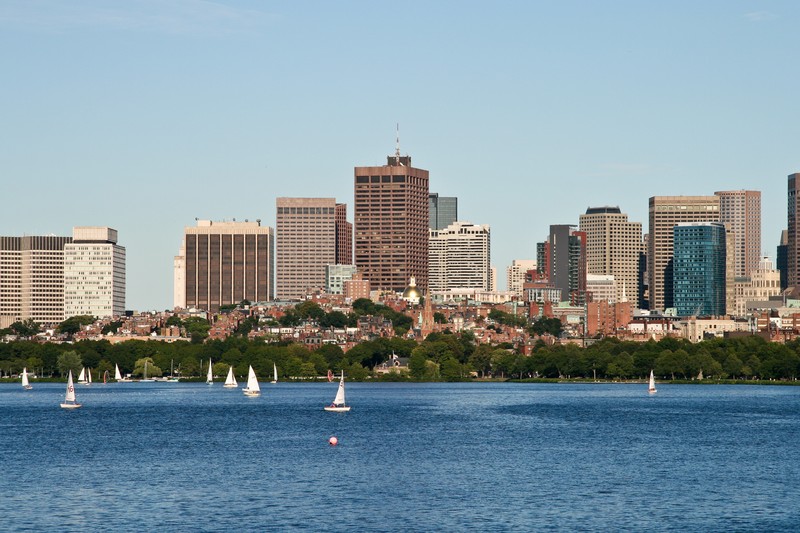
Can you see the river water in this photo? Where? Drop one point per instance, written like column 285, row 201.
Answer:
column 411, row 457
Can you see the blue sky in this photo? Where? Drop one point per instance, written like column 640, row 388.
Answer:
column 143, row 115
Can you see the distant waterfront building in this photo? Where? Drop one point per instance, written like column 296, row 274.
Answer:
column 493, row 278
column 336, row 275
column 443, row 210
column 602, row 287
column 782, row 259
column 613, row 247
column 762, row 284
column 564, row 258
column 699, row 270
column 742, row 211
column 664, row 213
column 356, row 288
column 391, row 224
column 459, row 257
column 793, row 233
column 32, row 279
column 94, row 273
column 224, row 263
column 305, row 243
column 515, row 274
column 344, row 236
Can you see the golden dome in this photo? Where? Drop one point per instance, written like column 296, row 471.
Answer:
column 412, row 293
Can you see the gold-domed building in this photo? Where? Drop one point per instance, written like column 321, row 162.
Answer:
column 412, row 294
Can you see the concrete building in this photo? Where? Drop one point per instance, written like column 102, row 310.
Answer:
column 344, row 236
column 763, row 283
column 443, row 211
column 223, row 263
column 515, row 274
column 564, row 258
column 336, row 275
column 356, row 288
column 699, row 269
column 664, row 213
column 459, row 257
column 94, row 273
column 613, row 247
column 32, row 279
column 782, row 259
column 305, row 243
column 602, row 288
column 391, row 224
column 742, row 211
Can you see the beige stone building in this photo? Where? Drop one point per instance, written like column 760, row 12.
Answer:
column 763, row 283
column 515, row 274
column 94, row 273
column 742, row 211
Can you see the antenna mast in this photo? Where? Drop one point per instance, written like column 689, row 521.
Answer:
column 397, row 146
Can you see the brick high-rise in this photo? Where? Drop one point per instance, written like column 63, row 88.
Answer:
column 391, row 224
column 742, row 211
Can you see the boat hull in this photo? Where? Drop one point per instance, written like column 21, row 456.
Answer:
column 252, row 393
column 335, row 409
column 230, row 386
column 70, row 405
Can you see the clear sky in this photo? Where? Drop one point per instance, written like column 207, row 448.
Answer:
column 143, row 115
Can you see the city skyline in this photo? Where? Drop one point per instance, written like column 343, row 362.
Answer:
column 145, row 117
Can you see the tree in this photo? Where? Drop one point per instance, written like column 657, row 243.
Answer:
column 69, row 360
column 439, row 318
column 27, row 328
column 73, row 324
column 544, row 325
column 152, row 369
column 197, row 328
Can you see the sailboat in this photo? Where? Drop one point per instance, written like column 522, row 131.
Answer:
column 230, row 381
column 172, row 377
column 144, row 375
column 652, row 388
column 274, row 373
column 25, row 384
column 252, row 388
column 210, row 375
column 118, row 375
column 338, row 405
column 82, row 377
column 69, row 399
column 89, row 376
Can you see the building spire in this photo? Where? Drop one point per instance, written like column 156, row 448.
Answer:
column 397, row 146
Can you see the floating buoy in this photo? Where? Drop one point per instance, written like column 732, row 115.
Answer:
column 333, row 441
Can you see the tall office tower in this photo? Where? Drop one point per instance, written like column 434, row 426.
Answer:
column 515, row 274
column 459, row 257
column 564, row 255
column 613, row 246
column 223, row 263
column 543, row 258
column 344, row 236
column 305, row 243
column 391, row 224
column 336, row 275
column 782, row 258
column 32, row 279
column 94, row 273
column 742, row 210
column 493, row 278
column 443, row 210
column 699, row 256
column 792, row 233
column 665, row 212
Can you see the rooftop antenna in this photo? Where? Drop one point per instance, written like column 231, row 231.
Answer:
column 397, row 146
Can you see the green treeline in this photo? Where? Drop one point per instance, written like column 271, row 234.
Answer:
column 441, row 357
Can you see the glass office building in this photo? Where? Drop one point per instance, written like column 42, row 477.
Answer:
column 698, row 268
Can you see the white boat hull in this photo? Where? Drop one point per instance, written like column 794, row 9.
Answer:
column 231, row 386
column 335, row 409
column 70, row 405
column 251, row 392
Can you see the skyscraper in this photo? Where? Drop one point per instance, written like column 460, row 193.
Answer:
column 459, row 257
column 305, row 244
column 782, row 259
column 665, row 213
column 94, row 273
column 613, row 246
column 344, row 236
column 515, row 274
column 793, row 244
column 391, row 224
column 742, row 211
column 443, row 210
column 32, row 279
column 223, row 263
column 564, row 261
column 699, row 264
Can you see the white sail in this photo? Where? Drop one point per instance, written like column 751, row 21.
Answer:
column 230, row 381
column 117, row 373
column 252, row 388
column 88, row 375
column 652, row 388
column 274, row 373
column 70, row 397
column 82, row 376
column 210, row 375
column 338, row 404
column 25, row 383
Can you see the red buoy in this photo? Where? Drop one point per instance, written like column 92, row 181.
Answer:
column 333, row 441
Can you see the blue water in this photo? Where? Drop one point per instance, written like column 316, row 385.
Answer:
column 411, row 457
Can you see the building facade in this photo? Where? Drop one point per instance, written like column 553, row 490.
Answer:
column 699, row 269
column 443, row 211
column 664, row 213
column 613, row 247
column 32, row 279
column 344, row 236
column 792, row 236
column 459, row 257
column 742, row 211
column 94, row 273
column 336, row 275
column 515, row 274
column 305, row 243
column 391, row 224
column 564, row 255
column 763, row 283
column 782, row 259
column 224, row 263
